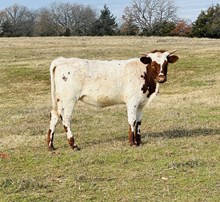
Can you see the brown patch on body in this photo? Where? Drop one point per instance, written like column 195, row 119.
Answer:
column 138, row 133
column 61, row 117
column 54, row 69
column 64, row 78
column 131, row 137
column 65, row 129
column 72, row 144
column 134, row 137
column 50, row 137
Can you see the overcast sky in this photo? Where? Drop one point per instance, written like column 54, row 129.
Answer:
column 186, row 9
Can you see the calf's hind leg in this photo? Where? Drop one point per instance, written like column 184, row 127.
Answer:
column 53, row 122
column 67, row 116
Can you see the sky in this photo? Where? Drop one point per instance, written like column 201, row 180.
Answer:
column 186, row 9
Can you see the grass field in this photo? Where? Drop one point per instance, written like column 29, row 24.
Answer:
column 180, row 157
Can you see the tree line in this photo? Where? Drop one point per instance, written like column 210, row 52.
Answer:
column 142, row 17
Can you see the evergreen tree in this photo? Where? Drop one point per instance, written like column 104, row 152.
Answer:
column 208, row 23
column 106, row 24
column 163, row 28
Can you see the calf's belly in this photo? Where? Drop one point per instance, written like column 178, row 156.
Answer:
column 101, row 100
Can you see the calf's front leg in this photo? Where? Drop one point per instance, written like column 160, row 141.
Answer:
column 134, row 134
column 134, row 120
column 132, row 116
column 138, row 133
column 131, row 136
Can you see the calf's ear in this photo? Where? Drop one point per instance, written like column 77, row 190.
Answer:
column 145, row 60
column 172, row 58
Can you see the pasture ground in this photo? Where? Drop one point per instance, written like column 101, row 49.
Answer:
column 180, row 157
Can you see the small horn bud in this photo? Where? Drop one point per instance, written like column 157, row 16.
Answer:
column 172, row 52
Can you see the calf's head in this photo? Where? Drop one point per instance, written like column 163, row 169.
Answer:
column 157, row 64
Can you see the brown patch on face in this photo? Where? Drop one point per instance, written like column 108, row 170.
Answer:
column 164, row 68
column 162, row 75
column 58, row 100
column 154, row 73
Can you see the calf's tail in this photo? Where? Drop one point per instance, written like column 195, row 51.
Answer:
column 53, row 86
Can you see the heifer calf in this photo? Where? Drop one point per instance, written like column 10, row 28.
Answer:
column 133, row 82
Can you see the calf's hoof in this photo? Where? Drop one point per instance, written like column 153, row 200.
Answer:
column 51, row 147
column 75, row 147
column 72, row 144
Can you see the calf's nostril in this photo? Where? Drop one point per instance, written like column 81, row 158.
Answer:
column 161, row 79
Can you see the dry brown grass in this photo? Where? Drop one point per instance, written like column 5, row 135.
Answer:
column 179, row 160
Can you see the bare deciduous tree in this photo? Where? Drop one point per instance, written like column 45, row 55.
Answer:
column 44, row 24
column 148, row 14
column 128, row 26
column 58, row 19
column 73, row 19
column 17, row 20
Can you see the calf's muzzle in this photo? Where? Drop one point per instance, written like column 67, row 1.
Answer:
column 161, row 78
